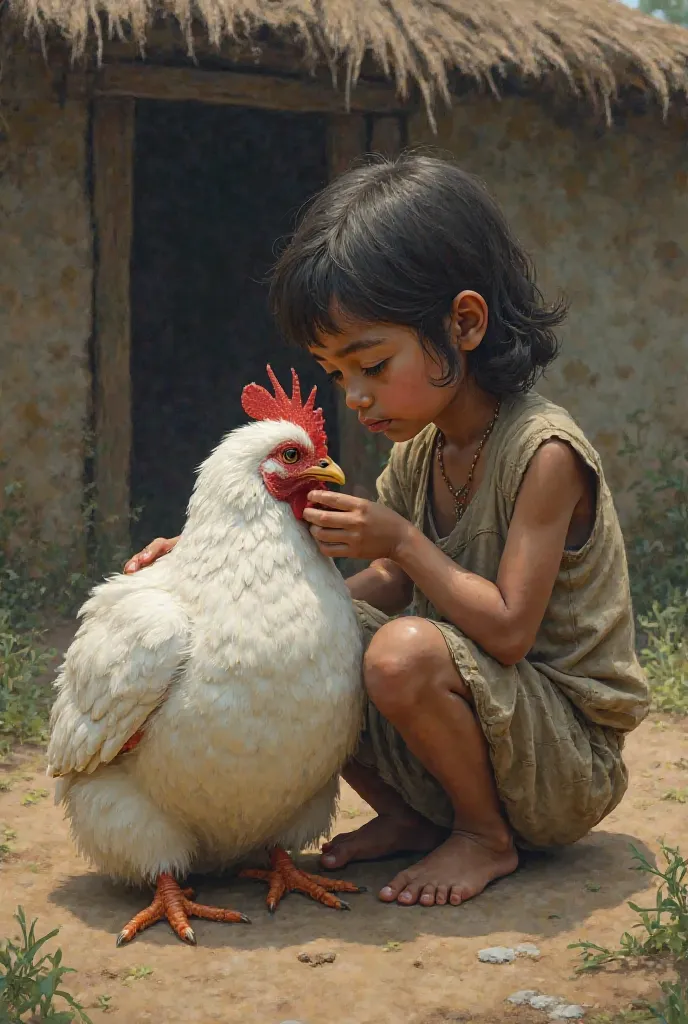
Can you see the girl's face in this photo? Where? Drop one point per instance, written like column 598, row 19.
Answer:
column 388, row 377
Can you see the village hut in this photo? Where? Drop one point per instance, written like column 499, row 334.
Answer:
column 151, row 156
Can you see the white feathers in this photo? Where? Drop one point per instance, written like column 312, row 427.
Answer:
column 230, row 479
column 116, row 672
column 239, row 654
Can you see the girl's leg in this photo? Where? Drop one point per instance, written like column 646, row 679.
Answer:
column 412, row 681
column 397, row 828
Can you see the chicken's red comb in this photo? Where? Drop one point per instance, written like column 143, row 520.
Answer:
column 259, row 404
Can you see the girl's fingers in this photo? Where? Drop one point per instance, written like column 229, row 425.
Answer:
column 334, row 550
column 325, row 536
column 319, row 517
column 151, row 552
column 335, row 499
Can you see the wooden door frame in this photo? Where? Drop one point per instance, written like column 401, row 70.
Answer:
column 114, row 90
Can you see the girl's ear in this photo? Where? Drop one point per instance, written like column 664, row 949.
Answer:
column 469, row 317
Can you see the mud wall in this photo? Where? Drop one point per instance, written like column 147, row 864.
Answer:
column 45, row 291
column 604, row 214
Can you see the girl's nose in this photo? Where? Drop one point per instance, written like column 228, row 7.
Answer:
column 355, row 400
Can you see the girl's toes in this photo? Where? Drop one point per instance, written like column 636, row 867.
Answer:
column 396, row 886
column 456, row 896
column 410, row 893
column 441, row 895
column 427, row 896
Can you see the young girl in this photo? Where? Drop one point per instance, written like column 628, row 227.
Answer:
column 498, row 708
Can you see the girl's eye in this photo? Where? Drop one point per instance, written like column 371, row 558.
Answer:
column 373, row 371
column 291, row 455
column 334, row 377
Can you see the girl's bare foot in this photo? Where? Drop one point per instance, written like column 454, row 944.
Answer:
column 382, row 837
column 454, row 872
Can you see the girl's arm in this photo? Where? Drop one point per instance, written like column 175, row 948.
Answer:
column 384, row 584
column 502, row 617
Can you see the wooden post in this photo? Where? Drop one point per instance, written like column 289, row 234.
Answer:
column 387, row 136
column 346, row 141
column 113, row 186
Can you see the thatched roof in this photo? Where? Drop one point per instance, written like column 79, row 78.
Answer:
column 596, row 45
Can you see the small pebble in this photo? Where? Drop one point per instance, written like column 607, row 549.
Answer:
column 546, row 1002
column 521, row 998
column 497, row 955
column 527, row 949
column 317, row 959
column 417, row 963
column 570, row 1011
column 559, row 1008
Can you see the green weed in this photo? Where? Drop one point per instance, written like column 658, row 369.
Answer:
column 678, row 796
column 663, row 928
column 657, row 546
column 40, row 581
column 7, row 837
column 137, row 973
column 673, row 1008
column 31, row 980
column 24, row 702
column 34, row 796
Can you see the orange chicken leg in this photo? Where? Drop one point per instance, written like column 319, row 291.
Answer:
column 177, row 907
column 284, row 877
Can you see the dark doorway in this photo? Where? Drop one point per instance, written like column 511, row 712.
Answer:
column 216, row 188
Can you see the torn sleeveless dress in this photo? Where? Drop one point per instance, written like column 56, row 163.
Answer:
column 555, row 722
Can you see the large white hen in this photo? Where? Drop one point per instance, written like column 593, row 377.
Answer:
column 207, row 703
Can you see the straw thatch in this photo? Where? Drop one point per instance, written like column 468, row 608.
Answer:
column 596, row 45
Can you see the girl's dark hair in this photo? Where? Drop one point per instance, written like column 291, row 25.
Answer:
column 395, row 242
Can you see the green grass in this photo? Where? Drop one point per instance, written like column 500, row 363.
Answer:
column 31, row 980
column 24, row 700
column 673, row 1006
column 40, row 582
column 662, row 929
column 657, row 546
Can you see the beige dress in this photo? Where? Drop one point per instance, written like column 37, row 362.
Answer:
column 555, row 722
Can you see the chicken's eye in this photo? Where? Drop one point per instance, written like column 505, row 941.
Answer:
column 291, row 455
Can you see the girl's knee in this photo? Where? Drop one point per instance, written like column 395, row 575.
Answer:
column 404, row 657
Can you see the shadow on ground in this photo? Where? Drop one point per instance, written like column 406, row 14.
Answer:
column 551, row 893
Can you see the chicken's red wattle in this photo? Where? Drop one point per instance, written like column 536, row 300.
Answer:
column 299, row 502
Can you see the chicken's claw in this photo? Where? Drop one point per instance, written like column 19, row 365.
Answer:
column 176, row 905
column 284, row 877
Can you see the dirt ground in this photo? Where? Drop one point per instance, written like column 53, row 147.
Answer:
column 393, row 965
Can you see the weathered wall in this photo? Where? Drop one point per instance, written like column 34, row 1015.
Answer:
column 604, row 214
column 45, row 292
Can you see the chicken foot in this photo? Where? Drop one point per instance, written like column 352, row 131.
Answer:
column 176, row 905
column 284, row 877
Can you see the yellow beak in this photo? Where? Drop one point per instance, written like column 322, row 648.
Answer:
column 326, row 470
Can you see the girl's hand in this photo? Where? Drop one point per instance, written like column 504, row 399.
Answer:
column 151, row 553
column 350, row 527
